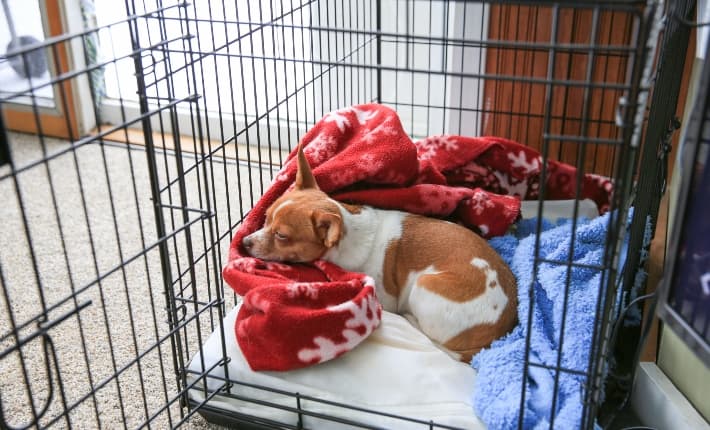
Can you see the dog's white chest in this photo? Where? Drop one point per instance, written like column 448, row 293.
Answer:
column 368, row 235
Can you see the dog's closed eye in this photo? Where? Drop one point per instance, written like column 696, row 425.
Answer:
column 280, row 236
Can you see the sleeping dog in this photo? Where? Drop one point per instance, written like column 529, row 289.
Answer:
column 443, row 277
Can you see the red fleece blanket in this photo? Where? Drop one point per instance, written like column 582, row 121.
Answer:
column 297, row 315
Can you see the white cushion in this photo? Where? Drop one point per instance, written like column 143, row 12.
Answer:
column 396, row 370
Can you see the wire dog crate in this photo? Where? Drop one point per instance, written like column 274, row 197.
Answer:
column 131, row 163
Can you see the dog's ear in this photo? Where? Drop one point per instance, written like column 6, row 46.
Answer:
column 328, row 226
column 304, row 175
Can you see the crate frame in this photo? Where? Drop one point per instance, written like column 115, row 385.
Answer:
column 190, row 315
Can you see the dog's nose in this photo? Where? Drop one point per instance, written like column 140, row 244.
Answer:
column 247, row 242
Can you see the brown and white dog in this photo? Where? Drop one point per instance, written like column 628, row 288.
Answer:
column 443, row 277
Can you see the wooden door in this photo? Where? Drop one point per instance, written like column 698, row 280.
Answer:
column 588, row 57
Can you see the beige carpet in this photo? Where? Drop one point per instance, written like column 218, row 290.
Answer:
column 77, row 240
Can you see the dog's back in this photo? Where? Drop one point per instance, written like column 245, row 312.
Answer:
column 449, row 280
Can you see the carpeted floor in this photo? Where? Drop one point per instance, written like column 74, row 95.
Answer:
column 74, row 237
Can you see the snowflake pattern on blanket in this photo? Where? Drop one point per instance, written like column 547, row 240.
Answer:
column 302, row 314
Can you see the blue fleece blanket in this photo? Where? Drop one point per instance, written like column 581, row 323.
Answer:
column 500, row 368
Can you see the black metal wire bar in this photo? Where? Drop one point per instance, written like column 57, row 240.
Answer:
column 190, row 300
column 96, row 137
column 372, row 76
column 276, row 90
column 581, row 154
column 196, row 129
column 320, row 55
column 236, row 419
column 495, row 112
column 51, row 352
column 183, row 394
column 202, row 212
column 630, row 120
column 316, row 100
column 559, row 369
column 510, row 102
column 533, row 24
column 256, row 91
column 171, row 305
column 307, row 104
column 338, row 86
column 167, row 69
column 451, row 74
column 445, row 59
column 67, row 76
column 234, row 126
column 589, row 392
column 15, row 332
column 482, row 89
column 170, row 75
column 356, row 84
column 411, row 51
column 380, row 45
column 208, row 235
column 330, row 87
column 173, row 318
column 295, row 395
column 293, row 139
column 72, row 285
column 664, row 100
column 20, row 196
column 245, row 104
column 350, row 45
column 55, row 40
column 200, row 133
column 571, row 264
column 461, row 81
column 395, row 37
column 582, row 139
column 543, row 180
column 503, row 22
column 565, row 89
column 603, row 301
column 43, row 328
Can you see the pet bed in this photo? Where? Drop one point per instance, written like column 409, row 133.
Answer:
column 319, row 323
column 396, row 370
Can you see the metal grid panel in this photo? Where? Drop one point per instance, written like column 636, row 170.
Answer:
column 111, row 262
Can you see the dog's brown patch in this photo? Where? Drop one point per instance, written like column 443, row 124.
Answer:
column 353, row 209
column 458, row 279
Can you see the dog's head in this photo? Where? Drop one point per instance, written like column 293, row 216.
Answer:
column 300, row 226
